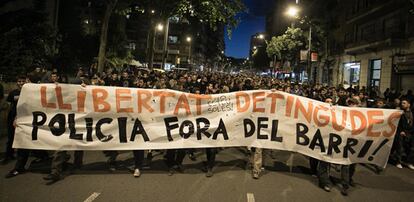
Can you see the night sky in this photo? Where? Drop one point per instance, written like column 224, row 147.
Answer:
column 252, row 21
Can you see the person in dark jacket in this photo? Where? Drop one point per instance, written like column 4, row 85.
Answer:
column 12, row 98
column 404, row 138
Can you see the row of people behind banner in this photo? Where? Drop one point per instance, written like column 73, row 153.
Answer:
column 211, row 83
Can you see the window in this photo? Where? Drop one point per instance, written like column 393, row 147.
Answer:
column 351, row 74
column 173, row 39
column 391, row 25
column 367, row 32
column 348, row 38
column 375, row 73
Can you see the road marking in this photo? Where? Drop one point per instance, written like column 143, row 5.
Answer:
column 92, row 197
column 250, row 197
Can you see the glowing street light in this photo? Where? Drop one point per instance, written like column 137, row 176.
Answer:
column 160, row 27
column 188, row 39
column 292, row 11
column 261, row 36
column 152, row 11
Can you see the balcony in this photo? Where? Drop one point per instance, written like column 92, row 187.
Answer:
column 374, row 42
column 375, row 10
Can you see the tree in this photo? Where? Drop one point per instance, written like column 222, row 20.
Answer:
column 212, row 12
column 26, row 39
column 109, row 7
column 286, row 46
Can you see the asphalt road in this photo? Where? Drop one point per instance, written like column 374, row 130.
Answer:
column 285, row 178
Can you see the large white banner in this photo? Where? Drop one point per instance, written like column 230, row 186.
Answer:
column 72, row 117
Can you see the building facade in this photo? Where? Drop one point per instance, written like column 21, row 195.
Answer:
column 373, row 45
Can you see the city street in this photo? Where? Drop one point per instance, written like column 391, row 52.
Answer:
column 314, row 82
column 285, row 178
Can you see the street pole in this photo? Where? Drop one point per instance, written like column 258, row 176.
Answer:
column 309, row 67
column 152, row 49
column 189, row 54
column 165, row 51
column 274, row 66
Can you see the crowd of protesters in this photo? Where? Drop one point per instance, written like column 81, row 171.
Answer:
column 214, row 83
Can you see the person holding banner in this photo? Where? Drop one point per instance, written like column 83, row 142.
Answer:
column 323, row 167
column 12, row 98
column 174, row 157
column 23, row 155
column 61, row 157
column 347, row 171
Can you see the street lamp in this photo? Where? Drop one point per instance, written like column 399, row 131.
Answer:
column 188, row 39
column 261, row 36
column 293, row 12
column 160, row 27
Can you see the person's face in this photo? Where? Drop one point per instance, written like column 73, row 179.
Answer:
column 114, row 76
column 37, row 69
column 405, row 105
column 361, row 95
column 342, row 93
column 54, row 77
column 140, row 82
column 397, row 101
column 125, row 75
column 329, row 101
column 287, row 89
column 352, row 105
column 380, row 104
column 20, row 83
column 162, row 81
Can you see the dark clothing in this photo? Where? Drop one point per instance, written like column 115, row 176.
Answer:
column 323, row 173
column 13, row 97
column 313, row 163
column 211, row 157
column 126, row 82
column 175, row 157
column 347, row 172
column 23, row 157
column 404, row 145
column 138, row 158
column 112, row 82
column 342, row 101
column 1, row 92
column 111, row 155
column 61, row 157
